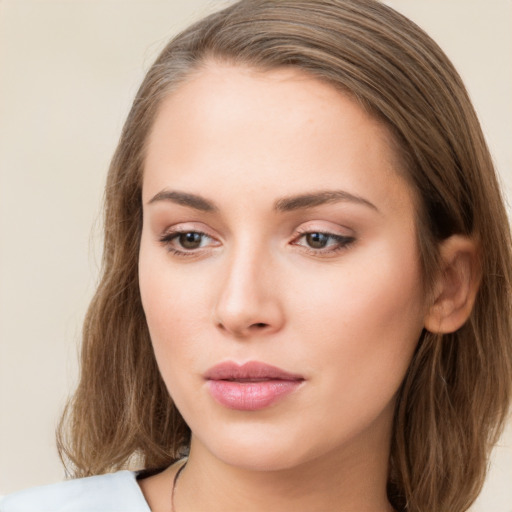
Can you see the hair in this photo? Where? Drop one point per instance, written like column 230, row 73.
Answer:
column 454, row 400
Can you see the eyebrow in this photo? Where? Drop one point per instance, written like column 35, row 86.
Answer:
column 285, row 204
column 304, row 201
column 182, row 198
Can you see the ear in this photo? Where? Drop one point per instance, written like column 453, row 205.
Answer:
column 456, row 285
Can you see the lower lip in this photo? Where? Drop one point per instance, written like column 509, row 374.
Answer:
column 250, row 396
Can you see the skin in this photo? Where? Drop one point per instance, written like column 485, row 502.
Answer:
column 346, row 317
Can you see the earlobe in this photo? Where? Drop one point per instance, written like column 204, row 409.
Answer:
column 456, row 285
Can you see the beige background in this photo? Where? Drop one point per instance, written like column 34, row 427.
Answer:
column 68, row 71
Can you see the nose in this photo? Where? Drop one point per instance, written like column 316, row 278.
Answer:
column 249, row 301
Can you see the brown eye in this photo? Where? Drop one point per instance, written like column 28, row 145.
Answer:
column 187, row 243
column 317, row 240
column 190, row 240
column 324, row 243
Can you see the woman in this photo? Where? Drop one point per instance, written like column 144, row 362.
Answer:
column 305, row 298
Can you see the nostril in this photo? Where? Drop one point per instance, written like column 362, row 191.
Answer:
column 259, row 325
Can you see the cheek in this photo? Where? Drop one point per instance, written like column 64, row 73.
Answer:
column 165, row 305
column 364, row 323
column 173, row 335
column 168, row 293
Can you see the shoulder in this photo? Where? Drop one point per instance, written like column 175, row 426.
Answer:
column 115, row 492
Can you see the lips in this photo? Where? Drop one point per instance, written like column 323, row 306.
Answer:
column 251, row 386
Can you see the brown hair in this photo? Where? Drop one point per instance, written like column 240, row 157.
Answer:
column 454, row 399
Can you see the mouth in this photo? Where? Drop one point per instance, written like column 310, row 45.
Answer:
column 251, row 386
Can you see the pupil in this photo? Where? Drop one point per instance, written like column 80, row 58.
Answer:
column 190, row 240
column 317, row 240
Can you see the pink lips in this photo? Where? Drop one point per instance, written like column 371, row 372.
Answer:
column 251, row 386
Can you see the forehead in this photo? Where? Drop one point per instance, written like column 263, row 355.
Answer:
column 282, row 129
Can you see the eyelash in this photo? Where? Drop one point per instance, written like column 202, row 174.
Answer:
column 168, row 238
column 341, row 242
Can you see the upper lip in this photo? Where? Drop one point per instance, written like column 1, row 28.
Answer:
column 252, row 370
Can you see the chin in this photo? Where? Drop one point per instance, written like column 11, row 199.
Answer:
column 258, row 458
column 260, row 449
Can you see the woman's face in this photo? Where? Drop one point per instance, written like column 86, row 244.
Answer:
column 278, row 232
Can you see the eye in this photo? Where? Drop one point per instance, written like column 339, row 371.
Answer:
column 318, row 242
column 190, row 240
column 185, row 243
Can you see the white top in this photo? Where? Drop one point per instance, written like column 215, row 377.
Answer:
column 114, row 492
